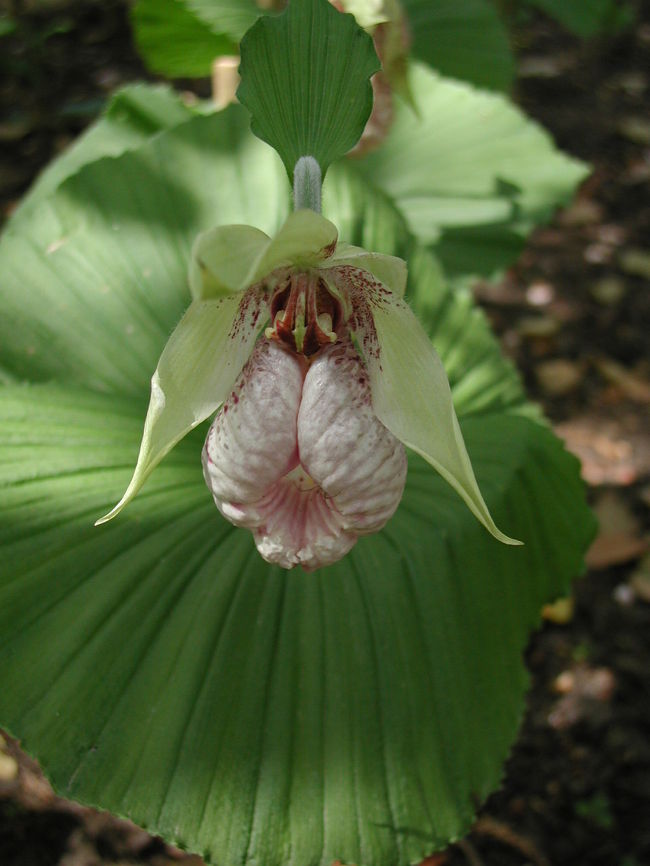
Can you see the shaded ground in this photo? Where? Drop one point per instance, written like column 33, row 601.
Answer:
column 575, row 315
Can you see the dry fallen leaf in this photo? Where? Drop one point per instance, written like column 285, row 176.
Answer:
column 538, row 327
column 635, row 129
column 612, row 448
column 635, row 262
column 436, row 859
column 619, row 539
column 608, row 291
column 582, row 212
column 614, row 549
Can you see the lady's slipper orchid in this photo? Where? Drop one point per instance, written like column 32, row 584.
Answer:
column 322, row 373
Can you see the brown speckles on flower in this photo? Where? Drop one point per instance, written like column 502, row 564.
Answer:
column 251, row 314
column 358, row 282
column 362, row 292
column 328, row 251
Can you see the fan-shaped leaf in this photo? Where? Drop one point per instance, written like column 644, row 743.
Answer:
column 159, row 668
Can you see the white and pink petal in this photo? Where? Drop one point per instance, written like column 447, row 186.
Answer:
column 253, row 441
column 297, row 455
column 356, row 461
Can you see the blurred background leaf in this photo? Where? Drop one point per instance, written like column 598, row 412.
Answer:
column 133, row 114
column 174, row 41
column 465, row 39
column 587, row 18
column 470, row 166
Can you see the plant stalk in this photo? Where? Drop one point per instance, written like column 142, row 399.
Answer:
column 307, row 182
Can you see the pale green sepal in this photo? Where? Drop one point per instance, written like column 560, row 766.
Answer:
column 195, row 373
column 411, row 396
column 224, row 260
column 389, row 270
column 305, row 239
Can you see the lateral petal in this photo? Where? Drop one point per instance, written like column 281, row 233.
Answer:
column 202, row 358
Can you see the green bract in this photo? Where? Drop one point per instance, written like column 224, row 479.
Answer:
column 306, row 82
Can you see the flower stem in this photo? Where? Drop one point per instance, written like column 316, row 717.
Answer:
column 307, row 184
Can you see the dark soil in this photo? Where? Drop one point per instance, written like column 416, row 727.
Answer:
column 575, row 315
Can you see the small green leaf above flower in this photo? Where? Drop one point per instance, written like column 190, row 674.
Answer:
column 306, row 81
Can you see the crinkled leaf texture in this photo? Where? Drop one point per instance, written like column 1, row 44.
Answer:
column 157, row 667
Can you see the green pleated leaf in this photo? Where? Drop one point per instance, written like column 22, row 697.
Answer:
column 463, row 39
column 480, row 251
column 306, row 81
column 133, row 115
column 159, row 668
column 106, row 258
column 469, row 165
column 480, row 377
column 250, row 714
column 174, row 41
column 587, row 17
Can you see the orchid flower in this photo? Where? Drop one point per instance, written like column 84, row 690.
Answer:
column 322, row 374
